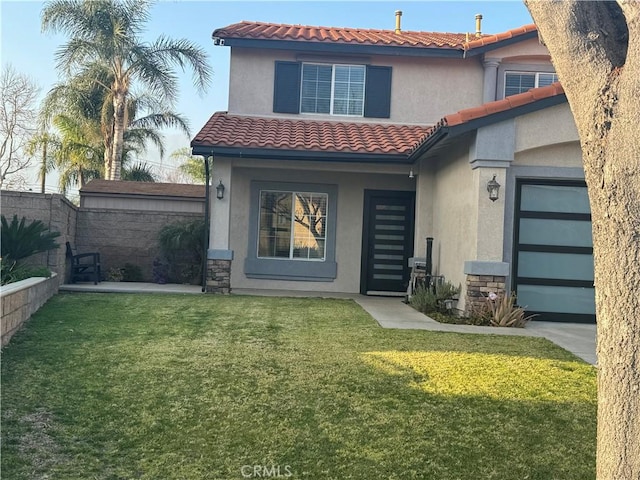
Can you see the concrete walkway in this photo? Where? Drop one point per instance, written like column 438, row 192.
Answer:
column 389, row 312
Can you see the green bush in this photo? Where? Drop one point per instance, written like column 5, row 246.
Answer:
column 182, row 244
column 21, row 240
column 12, row 271
column 132, row 273
column 424, row 299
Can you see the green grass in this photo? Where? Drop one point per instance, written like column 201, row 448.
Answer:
column 105, row 386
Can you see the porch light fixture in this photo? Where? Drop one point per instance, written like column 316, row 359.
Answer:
column 411, row 175
column 220, row 191
column 493, row 187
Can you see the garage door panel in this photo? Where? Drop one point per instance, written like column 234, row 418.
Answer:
column 557, row 299
column 548, row 231
column 563, row 266
column 554, row 198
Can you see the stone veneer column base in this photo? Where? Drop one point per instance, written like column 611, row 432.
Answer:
column 479, row 287
column 218, row 276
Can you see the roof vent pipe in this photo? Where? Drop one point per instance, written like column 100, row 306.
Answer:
column 398, row 15
column 478, row 25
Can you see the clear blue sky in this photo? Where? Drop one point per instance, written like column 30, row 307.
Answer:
column 31, row 52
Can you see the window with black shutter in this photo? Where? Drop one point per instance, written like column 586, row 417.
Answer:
column 332, row 89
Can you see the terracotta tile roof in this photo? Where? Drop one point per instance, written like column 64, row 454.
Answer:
column 272, row 31
column 224, row 130
column 143, row 188
column 346, row 35
column 498, row 106
column 499, row 37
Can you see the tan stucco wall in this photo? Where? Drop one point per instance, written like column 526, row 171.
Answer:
column 525, row 51
column 351, row 185
column 455, row 212
column 443, row 86
column 550, row 126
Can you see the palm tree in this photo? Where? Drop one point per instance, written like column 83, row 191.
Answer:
column 79, row 111
column 191, row 166
column 104, row 36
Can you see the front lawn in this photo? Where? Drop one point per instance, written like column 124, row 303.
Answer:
column 115, row 386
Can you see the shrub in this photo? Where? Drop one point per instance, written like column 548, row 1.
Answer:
column 504, row 311
column 12, row 271
column 424, row 299
column 132, row 273
column 20, row 240
column 183, row 246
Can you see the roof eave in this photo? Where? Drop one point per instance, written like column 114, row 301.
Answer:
column 344, row 48
column 309, row 155
column 472, row 52
column 446, row 133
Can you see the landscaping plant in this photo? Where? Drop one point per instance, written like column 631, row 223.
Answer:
column 183, row 245
column 504, row 312
column 20, row 240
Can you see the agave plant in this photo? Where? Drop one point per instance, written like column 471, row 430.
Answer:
column 21, row 240
column 504, row 312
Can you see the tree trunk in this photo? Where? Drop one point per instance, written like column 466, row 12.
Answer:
column 595, row 47
column 119, row 122
column 43, row 173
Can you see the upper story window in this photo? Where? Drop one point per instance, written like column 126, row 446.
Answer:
column 333, row 89
column 520, row 82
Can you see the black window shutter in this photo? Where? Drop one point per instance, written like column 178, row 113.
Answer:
column 286, row 87
column 377, row 92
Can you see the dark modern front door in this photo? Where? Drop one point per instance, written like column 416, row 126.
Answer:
column 387, row 241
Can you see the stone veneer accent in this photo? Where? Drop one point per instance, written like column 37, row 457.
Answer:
column 479, row 287
column 218, row 276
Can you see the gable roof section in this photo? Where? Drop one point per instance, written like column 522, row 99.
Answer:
column 469, row 119
column 154, row 189
column 258, row 137
column 339, row 39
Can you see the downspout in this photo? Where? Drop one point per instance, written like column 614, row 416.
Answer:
column 206, row 223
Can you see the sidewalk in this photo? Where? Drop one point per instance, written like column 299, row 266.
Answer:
column 389, row 312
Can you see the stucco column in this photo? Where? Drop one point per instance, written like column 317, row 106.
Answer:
column 220, row 255
column 490, row 84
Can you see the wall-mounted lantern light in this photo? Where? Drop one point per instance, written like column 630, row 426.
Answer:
column 220, row 191
column 411, row 175
column 493, row 187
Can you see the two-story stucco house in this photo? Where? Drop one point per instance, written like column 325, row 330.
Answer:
column 343, row 150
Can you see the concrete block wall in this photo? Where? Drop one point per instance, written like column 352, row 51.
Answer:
column 22, row 299
column 55, row 211
column 124, row 236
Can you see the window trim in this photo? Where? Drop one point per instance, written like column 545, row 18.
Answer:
column 503, row 68
column 292, row 230
column 536, row 80
column 284, row 268
column 333, row 85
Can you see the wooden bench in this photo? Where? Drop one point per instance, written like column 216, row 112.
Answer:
column 85, row 267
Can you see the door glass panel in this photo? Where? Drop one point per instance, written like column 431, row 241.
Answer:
column 543, row 231
column 565, row 266
column 380, row 276
column 399, row 218
column 390, row 227
column 383, row 256
column 380, row 246
column 546, row 298
column 390, row 237
column 555, row 198
column 382, row 266
column 399, row 208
